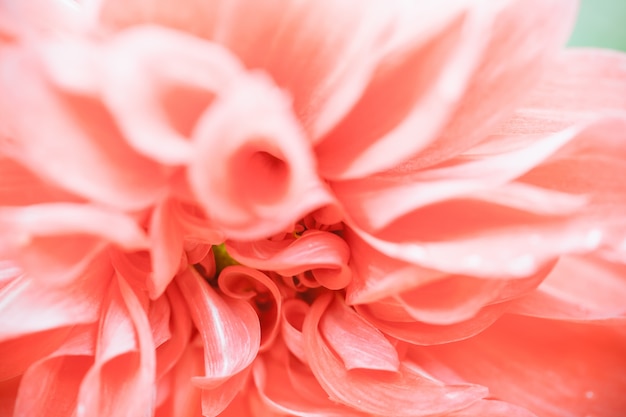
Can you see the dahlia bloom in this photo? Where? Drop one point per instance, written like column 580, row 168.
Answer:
column 309, row 208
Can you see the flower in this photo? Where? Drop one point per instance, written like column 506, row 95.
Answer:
column 309, row 208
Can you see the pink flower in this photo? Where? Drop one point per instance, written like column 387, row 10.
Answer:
column 309, row 208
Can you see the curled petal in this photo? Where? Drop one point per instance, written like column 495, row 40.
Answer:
column 240, row 282
column 294, row 312
column 325, row 254
column 258, row 168
column 231, row 337
column 402, row 393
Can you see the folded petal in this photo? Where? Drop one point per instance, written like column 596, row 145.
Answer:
column 402, row 393
column 325, row 254
column 261, row 292
column 551, row 367
column 259, row 167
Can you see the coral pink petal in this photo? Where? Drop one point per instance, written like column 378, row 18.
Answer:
column 157, row 80
column 404, row 327
column 492, row 408
column 359, row 344
column 124, row 368
column 27, row 19
column 402, row 393
column 579, row 85
column 288, row 387
column 42, row 305
column 182, row 399
column 496, row 240
column 58, row 240
column 551, row 367
column 578, row 289
column 294, row 312
column 261, row 292
column 495, row 89
column 180, row 328
column 323, row 253
column 20, row 186
column 50, row 387
column 28, row 349
column 259, row 168
column 376, row 201
column 424, row 98
column 100, row 166
column 231, row 337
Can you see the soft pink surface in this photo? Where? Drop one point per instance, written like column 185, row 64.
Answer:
column 310, row 208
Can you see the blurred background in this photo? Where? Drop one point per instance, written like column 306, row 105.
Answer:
column 601, row 23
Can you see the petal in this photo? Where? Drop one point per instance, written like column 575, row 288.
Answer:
column 552, row 368
column 580, row 84
column 492, row 240
column 359, row 344
column 419, row 333
column 261, row 292
column 41, row 305
column 461, row 83
column 579, row 289
column 20, row 186
column 231, row 337
column 323, row 253
column 59, row 240
column 258, row 168
column 170, row 226
column 100, row 166
column 121, row 382
column 402, row 393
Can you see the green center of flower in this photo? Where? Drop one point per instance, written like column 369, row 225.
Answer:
column 222, row 258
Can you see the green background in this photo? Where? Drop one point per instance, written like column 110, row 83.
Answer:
column 601, row 23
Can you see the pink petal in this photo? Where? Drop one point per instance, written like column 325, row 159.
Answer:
column 122, row 378
column 294, row 312
column 553, row 368
column 259, row 168
column 285, row 386
column 231, row 337
column 445, row 84
column 325, row 254
column 59, row 240
column 100, row 166
column 359, row 344
column 170, row 226
column 578, row 288
column 51, row 387
column 406, row 328
column 261, row 292
column 32, row 304
column 492, row 408
column 180, row 328
column 8, row 394
column 579, row 85
column 181, row 397
column 20, row 186
column 523, row 41
column 402, row 393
